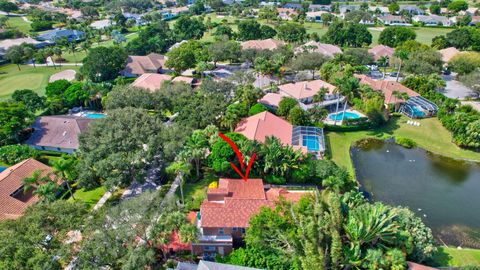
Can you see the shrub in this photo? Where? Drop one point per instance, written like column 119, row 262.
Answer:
column 405, row 142
column 465, row 63
column 12, row 154
column 277, row 180
column 41, row 25
column 257, row 108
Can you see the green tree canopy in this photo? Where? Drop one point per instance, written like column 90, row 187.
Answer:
column 396, row 35
column 104, row 63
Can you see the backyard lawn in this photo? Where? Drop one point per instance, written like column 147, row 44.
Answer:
column 457, row 257
column 18, row 23
column 28, row 77
column 194, row 193
column 89, row 197
column 430, row 135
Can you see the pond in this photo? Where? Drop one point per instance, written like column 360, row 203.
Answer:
column 444, row 192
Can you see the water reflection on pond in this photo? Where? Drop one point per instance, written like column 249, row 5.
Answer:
column 444, row 192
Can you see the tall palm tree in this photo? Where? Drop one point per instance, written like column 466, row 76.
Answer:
column 196, row 149
column 383, row 62
column 65, row 170
column 188, row 233
column 370, row 225
column 72, row 48
column 347, row 85
column 57, row 51
column 49, row 54
column 320, row 95
column 402, row 56
column 44, row 186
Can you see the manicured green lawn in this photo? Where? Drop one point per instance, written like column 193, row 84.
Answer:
column 424, row 34
column 28, row 77
column 89, row 197
column 18, row 23
column 430, row 135
column 194, row 193
column 456, row 257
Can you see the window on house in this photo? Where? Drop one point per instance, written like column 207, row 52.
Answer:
column 242, row 230
column 234, row 229
column 209, row 248
column 221, row 231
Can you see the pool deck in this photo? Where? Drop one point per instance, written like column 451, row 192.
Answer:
column 328, row 121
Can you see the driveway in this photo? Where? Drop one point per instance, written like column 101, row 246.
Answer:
column 455, row 89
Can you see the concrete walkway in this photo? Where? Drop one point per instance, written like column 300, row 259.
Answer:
column 102, row 200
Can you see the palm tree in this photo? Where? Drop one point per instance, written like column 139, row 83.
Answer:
column 196, row 149
column 188, row 233
column 64, row 169
column 86, row 45
column 57, row 51
column 72, row 48
column 347, row 85
column 180, row 169
column 48, row 52
column 383, row 62
column 44, row 186
column 370, row 225
column 402, row 55
column 320, row 95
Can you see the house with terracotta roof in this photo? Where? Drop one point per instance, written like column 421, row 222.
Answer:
column 380, row 51
column 387, row 88
column 138, row 65
column 13, row 199
column 225, row 214
column 262, row 125
column 207, row 265
column 153, row 81
column 58, row 133
column 328, row 50
column 265, row 44
column 271, row 100
column 448, row 53
column 305, row 91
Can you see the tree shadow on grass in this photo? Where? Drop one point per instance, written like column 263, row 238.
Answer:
column 386, row 130
column 440, row 258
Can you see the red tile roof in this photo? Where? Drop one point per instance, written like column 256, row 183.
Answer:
column 244, row 199
column 11, row 181
column 448, row 53
column 416, row 266
column 265, row 124
column 151, row 81
column 328, row 50
column 381, row 50
column 139, row 65
column 387, row 88
column 305, row 89
column 266, row 44
column 271, row 99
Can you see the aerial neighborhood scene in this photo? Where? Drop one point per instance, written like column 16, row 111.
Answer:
column 239, row 134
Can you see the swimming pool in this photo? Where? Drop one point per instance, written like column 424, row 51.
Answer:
column 95, row 115
column 2, row 168
column 311, row 142
column 339, row 116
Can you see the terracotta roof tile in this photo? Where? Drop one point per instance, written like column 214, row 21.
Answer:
column 265, row 124
column 266, row 44
column 304, row 89
column 139, row 65
column 387, row 88
column 151, row 81
column 244, row 199
column 448, row 53
column 381, row 50
column 322, row 48
column 271, row 99
column 11, row 181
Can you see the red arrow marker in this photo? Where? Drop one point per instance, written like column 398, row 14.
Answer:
column 240, row 158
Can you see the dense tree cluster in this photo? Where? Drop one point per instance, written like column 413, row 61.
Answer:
column 346, row 34
column 463, row 38
column 333, row 231
column 394, row 36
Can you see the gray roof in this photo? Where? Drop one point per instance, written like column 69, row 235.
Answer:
column 71, row 35
column 60, row 131
column 206, row 265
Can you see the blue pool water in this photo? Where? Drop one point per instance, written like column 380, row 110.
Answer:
column 311, row 142
column 2, row 168
column 417, row 112
column 95, row 115
column 348, row 115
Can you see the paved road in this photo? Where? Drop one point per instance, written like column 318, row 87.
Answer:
column 455, row 89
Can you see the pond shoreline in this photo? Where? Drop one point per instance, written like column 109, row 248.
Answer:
column 417, row 178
